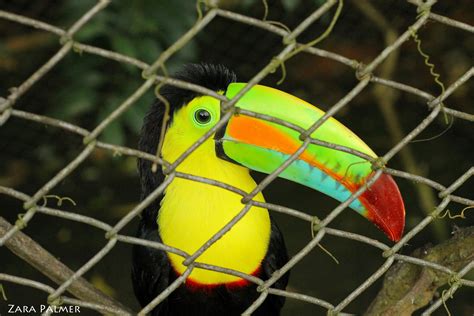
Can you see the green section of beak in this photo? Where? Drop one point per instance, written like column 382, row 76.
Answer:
column 275, row 103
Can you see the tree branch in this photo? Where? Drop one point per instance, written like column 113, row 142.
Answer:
column 408, row 287
column 38, row 257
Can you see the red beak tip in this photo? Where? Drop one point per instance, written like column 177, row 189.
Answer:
column 385, row 207
column 395, row 235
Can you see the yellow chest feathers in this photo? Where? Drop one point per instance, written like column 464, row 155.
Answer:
column 192, row 212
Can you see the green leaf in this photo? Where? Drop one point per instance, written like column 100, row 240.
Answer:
column 133, row 118
column 92, row 30
column 290, row 5
column 73, row 103
column 114, row 133
column 123, row 45
column 149, row 49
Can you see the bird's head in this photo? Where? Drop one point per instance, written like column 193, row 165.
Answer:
column 261, row 145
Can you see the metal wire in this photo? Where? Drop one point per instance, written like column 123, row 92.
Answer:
column 112, row 233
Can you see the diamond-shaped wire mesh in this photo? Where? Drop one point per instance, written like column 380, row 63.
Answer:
column 87, row 296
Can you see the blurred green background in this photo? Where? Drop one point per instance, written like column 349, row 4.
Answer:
column 83, row 89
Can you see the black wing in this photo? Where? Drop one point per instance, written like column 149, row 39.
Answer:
column 150, row 269
column 275, row 258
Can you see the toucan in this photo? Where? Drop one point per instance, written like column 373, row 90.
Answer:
column 189, row 213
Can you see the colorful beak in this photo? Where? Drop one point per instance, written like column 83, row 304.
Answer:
column 263, row 146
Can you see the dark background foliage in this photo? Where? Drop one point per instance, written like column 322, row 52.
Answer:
column 83, row 89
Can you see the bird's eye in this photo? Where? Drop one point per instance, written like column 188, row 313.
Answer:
column 202, row 116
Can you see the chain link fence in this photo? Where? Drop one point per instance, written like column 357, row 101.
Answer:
column 90, row 298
